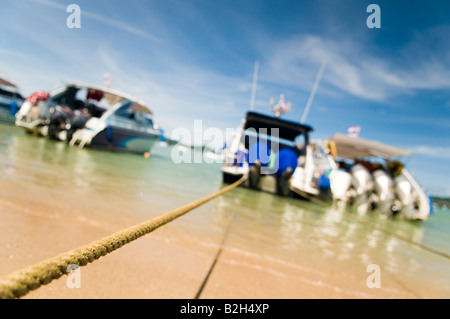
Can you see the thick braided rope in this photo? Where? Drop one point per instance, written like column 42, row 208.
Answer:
column 19, row 283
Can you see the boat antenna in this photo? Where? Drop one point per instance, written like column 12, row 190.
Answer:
column 313, row 91
column 255, row 77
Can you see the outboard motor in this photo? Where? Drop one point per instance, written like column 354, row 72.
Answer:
column 58, row 118
column 258, row 157
column 405, row 195
column 286, row 163
column 77, row 121
column 361, row 179
column 383, row 187
column 362, row 186
column 254, row 176
column 403, row 189
column 340, row 182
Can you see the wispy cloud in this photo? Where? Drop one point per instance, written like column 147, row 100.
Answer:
column 351, row 68
column 440, row 152
column 105, row 20
column 52, row 4
column 108, row 60
column 189, row 92
column 121, row 25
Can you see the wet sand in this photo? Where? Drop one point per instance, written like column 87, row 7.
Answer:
column 168, row 263
column 54, row 198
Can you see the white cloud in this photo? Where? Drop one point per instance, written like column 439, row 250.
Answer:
column 121, row 25
column 108, row 61
column 440, row 152
column 351, row 68
column 105, row 20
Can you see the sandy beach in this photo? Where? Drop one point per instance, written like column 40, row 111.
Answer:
column 170, row 262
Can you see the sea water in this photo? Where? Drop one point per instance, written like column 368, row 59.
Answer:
column 106, row 186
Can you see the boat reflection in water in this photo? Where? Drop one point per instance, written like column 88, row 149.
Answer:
column 303, row 239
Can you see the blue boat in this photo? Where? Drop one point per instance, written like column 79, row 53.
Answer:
column 10, row 100
column 269, row 150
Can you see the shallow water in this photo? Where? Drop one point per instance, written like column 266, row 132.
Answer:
column 296, row 233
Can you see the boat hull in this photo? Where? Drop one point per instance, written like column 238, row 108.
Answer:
column 5, row 115
column 123, row 139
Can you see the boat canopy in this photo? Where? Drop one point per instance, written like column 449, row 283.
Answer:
column 355, row 147
column 287, row 129
column 9, row 88
column 113, row 97
column 6, row 82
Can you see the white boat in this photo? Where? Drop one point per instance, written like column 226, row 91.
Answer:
column 89, row 115
column 10, row 100
column 369, row 176
column 279, row 157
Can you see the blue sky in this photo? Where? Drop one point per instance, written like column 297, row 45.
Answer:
column 193, row 60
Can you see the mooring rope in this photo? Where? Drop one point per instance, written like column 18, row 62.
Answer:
column 21, row 282
column 377, row 227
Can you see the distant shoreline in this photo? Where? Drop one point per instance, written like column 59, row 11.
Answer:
column 443, row 202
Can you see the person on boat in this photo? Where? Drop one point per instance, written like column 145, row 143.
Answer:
column 366, row 164
column 13, row 105
column 95, row 95
column 254, row 176
column 342, row 165
column 258, row 156
column 239, row 159
column 37, row 97
column 31, row 105
column 395, row 167
column 286, row 162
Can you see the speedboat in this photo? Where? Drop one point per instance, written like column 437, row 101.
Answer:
column 89, row 115
column 279, row 157
column 10, row 100
column 276, row 154
column 368, row 175
column 59, row 113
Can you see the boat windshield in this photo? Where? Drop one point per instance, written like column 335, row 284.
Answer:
column 284, row 129
column 10, row 92
column 251, row 134
column 128, row 111
column 76, row 97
